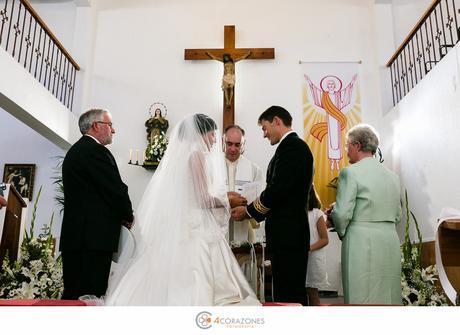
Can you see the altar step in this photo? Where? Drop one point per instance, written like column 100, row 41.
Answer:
column 63, row 303
column 38, row 302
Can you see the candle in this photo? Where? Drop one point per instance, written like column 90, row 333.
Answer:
column 143, row 156
column 130, row 154
column 137, row 155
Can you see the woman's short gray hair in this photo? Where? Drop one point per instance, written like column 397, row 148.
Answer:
column 366, row 135
column 87, row 119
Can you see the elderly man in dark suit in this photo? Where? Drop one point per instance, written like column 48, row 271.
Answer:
column 96, row 204
column 283, row 206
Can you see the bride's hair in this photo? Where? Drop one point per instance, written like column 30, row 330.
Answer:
column 202, row 124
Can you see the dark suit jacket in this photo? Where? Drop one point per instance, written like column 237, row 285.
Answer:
column 283, row 202
column 95, row 198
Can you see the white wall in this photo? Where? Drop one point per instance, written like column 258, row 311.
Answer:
column 425, row 125
column 139, row 51
column 28, row 100
column 73, row 23
column 60, row 17
column 25, row 105
column 131, row 54
column 406, row 14
column 22, row 145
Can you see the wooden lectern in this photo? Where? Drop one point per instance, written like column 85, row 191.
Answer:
column 449, row 244
column 12, row 223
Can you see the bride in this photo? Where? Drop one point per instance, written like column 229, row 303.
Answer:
column 182, row 257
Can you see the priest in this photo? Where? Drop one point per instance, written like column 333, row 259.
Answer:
column 244, row 177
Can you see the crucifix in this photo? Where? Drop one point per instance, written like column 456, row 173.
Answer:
column 229, row 55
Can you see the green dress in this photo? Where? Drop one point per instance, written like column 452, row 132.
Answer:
column 365, row 215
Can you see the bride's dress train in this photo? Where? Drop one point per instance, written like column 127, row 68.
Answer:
column 205, row 273
column 182, row 257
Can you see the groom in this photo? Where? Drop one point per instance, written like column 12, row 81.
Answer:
column 283, row 206
column 96, row 204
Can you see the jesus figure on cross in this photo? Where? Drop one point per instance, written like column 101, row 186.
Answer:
column 229, row 55
column 228, row 79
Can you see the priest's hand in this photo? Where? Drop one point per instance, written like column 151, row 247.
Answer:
column 239, row 213
column 236, row 199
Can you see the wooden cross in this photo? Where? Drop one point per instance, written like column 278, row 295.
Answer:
column 236, row 54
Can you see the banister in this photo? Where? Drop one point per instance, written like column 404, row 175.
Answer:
column 413, row 31
column 435, row 33
column 49, row 32
column 28, row 39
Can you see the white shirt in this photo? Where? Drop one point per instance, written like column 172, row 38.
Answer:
column 240, row 172
column 284, row 136
column 94, row 138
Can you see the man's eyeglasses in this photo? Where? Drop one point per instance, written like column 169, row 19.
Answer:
column 110, row 124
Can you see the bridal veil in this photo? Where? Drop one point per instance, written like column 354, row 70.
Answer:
column 181, row 255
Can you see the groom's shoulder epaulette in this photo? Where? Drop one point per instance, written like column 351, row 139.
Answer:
column 258, row 210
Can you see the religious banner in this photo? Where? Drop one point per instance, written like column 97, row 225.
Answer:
column 331, row 106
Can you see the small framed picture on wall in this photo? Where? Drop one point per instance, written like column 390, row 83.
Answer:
column 22, row 177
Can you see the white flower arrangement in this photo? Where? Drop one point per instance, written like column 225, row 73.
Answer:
column 418, row 284
column 157, row 148
column 36, row 274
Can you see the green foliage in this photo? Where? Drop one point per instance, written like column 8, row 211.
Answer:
column 418, row 284
column 57, row 180
column 407, row 245
column 36, row 274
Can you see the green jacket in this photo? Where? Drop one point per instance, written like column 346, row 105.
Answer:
column 367, row 192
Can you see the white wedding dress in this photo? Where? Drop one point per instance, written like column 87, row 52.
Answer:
column 182, row 257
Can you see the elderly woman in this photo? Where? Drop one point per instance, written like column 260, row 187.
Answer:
column 365, row 215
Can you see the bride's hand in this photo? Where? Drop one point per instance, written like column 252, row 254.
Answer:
column 239, row 213
column 127, row 224
column 236, row 199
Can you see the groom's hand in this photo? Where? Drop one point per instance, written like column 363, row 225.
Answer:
column 239, row 213
column 236, row 199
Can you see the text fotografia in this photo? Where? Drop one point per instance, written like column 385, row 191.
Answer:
column 239, row 322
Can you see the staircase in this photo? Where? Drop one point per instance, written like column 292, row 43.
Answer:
column 429, row 41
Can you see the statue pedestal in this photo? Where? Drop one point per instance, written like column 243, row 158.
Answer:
column 150, row 165
column 146, row 165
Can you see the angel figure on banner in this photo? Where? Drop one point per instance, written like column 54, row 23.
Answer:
column 332, row 99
